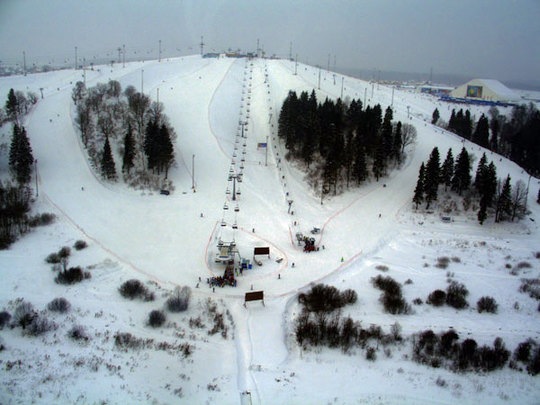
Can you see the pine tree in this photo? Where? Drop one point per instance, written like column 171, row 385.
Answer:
column 129, row 151
column 151, row 144
column 419, row 189
column 462, row 176
column 481, row 173
column 20, row 156
column 12, row 106
column 360, row 172
column 452, row 122
column 482, row 212
column 467, row 125
column 398, row 143
column 166, row 150
column 108, row 170
column 504, row 201
column 447, row 170
column 435, row 117
column 432, row 177
column 481, row 133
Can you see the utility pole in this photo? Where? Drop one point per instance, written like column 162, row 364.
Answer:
column 334, row 63
column 290, row 51
column 328, row 65
column 392, row 104
column 124, row 55
column 159, row 59
column 75, row 58
column 119, row 54
column 202, row 45
column 296, row 65
column 142, row 81
column 24, row 62
column 266, row 153
column 342, row 80
column 365, row 94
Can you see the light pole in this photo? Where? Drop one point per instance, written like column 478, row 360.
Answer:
column 193, row 172
column 342, row 80
column 266, row 152
column 142, row 81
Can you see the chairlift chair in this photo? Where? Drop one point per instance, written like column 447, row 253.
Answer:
column 237, row 208
column 225, row 206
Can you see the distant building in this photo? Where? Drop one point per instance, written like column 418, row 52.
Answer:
column 485, row 90
column 435, row 90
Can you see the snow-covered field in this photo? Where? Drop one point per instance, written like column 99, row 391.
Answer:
column 165, row 242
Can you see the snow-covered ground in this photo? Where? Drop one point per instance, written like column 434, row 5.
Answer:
column 165, row 242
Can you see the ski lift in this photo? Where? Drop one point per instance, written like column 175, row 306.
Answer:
column 223, row 223
column 227, row 191
column 225, row 206
column 234, row 153
column 238, row 191
column 237, row 208
column 234, row 226
column 241, row 167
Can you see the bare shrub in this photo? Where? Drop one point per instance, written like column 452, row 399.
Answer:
column 456, row 259
column 61, row 305
column 133, row 288
column 156, row 318
column 456, row 295
column 523, row 265
column 371, row 353
column 179, row 302
column 5, row 317
column 531, row 286
column 418, row 301
column 325, row 298
column 442, row 262
column 441, row 382
column 43, row 219
column 78, row 332
column 71, row 276
column 382, row 267
column 53, row 258
column 24, row 314
column 39, row 325
column 80, row 245
column 487, row 304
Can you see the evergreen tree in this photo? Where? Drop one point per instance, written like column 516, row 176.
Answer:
column 482, row 212
column 387, row 137
column 166, row 150
column 12, row 106
column 419, row 189
column 538, row 197
column 490, row 186
column 481, row 133
column 398, row 143
column 360, row 171
column 467, row 125
column 503, row 207
column 447, row 170
column 129, row 151
column 462, row 176
column 108, row 170
column 435, row 117
column 452, row 122
column 432, row 177
column 20, row 155
column 481, row 173
column 151, row 144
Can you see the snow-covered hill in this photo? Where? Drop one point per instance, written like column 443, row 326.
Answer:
column 170, row 241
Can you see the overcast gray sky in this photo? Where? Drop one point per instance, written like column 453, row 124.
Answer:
column 484, row 38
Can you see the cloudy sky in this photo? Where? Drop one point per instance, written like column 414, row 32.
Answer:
column 483, row 38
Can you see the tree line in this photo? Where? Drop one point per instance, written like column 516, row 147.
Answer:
column 341, row 144
column 15, row 192
column 126, row 125
column 495, row 197
column 515, row 137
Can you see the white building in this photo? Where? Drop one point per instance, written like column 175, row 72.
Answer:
column 485, row 89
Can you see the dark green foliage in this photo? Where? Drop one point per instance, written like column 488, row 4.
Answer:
column 12, row 106
column 21, row 160
column 487, row 304
column 158, row 147
column 129, row 151
column 435, row 116
column 503, row 203
column 156, row 318
column 437, row 298
column 432, row 177
column 462, row 172
column 447, row 169
column 135, row 289
column 343, row 142
column 481, row 133
column 61, row 305
column 14, row 208
column 108, row 169
column 456, row 295
column 418, row 197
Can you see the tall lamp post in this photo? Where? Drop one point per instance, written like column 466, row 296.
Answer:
column 193, row 172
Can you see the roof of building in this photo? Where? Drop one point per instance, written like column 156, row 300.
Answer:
column 497, row 87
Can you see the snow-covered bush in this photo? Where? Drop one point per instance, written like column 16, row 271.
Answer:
column 24, row 314
column 135, row 289
column 78, row 332
column 392, row 298
column 156, row 318
column 39, row 325
column 325, row 298
column 59, row 305
column 487, row 304
column 41, row 219
column 180, row 300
